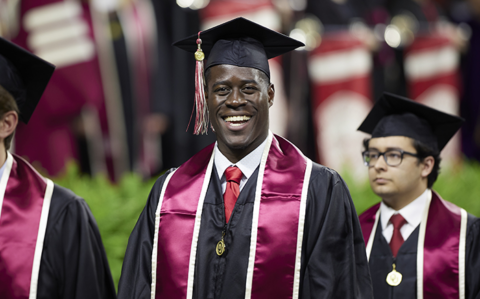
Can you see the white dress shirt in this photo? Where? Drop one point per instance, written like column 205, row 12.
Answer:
column 247, row 165
column 412, row 213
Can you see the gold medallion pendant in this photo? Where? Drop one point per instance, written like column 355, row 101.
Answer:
column 220, row 247
column 394, row 278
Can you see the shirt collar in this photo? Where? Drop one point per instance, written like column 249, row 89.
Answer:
column 2, row 169
column 412, row 212
column 247, row 165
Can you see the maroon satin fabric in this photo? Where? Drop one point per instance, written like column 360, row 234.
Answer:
column 19, row 223
column 277, row 231
column 441, row 247
column 278, row 222
column 177, row 221
column 367, row 220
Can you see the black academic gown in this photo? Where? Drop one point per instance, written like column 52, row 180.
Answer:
column 381, row 260
column 74, row 264
column 334, row 263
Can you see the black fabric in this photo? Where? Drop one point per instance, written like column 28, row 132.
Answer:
column 393, row 115
column 33, row 71
column 334, row 263
column 11, row 81
column 74, row 264
column 381, row 261
column 406, row 124
column 243, row 52
column 240, row 42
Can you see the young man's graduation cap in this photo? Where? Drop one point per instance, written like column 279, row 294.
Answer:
column 393, row 115
column 238, row 42
column 24, row 76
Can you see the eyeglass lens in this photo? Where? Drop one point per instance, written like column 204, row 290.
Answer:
column 392, row 157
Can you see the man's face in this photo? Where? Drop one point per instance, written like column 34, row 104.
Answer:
column 404, row 182
column 238, row 100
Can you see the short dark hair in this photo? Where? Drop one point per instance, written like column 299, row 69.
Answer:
column 423, row 151
column 7, row 103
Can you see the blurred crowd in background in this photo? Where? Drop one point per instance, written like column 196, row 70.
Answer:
column 121, row 97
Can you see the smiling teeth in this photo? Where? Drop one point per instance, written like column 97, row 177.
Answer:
column 237, row 118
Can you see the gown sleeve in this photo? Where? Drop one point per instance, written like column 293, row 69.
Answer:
column 334, row 263
column 74, row 264
column 472, row 259
column 136, row 278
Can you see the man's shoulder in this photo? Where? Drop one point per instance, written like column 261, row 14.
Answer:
column 324, row 173
column 369, row 213
column 64, row 198
column 447, row 202
column 161, row 179
column 65, row 193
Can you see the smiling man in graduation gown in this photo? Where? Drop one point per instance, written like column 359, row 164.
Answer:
column 248, row 216
column 50, row 246
column 419, row 245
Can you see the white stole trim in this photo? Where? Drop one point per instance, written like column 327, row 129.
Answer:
column 301, row 227
column 256, row 213
column 196, row 228
column 37, row 257
column 4, row 179
column 155, row 236
column 372, row 234
column 461, row 254
column 420, row 246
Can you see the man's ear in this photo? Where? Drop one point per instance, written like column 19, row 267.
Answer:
column 428, row 164
column 271, row 94
column 8, row 124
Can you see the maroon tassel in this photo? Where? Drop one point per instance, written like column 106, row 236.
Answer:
column 201, row 120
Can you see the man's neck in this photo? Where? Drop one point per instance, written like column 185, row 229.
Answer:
column 398, row 202
column 236, row 154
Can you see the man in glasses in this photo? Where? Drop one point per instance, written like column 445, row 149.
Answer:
column 418, row 245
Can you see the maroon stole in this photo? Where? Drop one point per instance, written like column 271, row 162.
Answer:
column 277, row 224
column 441, row 248
column 25, row 201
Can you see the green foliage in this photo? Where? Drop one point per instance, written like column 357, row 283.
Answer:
column 116, row 207
column 461, row 185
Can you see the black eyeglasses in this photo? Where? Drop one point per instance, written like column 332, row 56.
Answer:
column 392, row 157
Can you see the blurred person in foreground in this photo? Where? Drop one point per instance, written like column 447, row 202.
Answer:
column 418, row 245
column 50, row 246
column 248, row 216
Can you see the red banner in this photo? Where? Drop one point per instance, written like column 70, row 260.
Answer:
column 431, row 70
column 340, row 70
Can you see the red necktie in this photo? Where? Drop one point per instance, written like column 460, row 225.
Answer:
column 233, row 175
column 397, row 240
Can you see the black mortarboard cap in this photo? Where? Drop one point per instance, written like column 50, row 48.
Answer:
column 393, row 115
column 24, row 76
column 240, row 42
